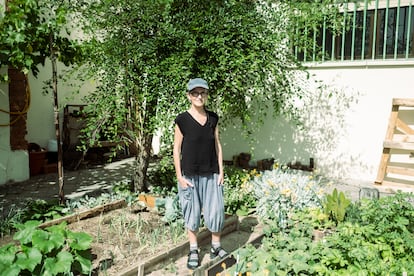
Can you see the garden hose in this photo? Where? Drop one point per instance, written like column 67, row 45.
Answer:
column 22, row 112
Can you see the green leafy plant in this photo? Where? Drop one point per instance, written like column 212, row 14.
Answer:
column 43, row 210
column 40, row 210
column 376, row 239
column 169, row 208
column 161, row 174
column 287, row 251
column 238, row 195
column 9, row 218
column 281, row 192
column 335, row 205
column 27, row 27
column 52, row 251
column 314, row 216
column 87, row 202
column 122, row 188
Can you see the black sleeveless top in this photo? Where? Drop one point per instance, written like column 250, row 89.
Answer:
column 198, row 149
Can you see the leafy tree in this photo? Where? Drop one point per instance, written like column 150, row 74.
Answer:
column 142, row 53
column 26, row 27
column 31, row 32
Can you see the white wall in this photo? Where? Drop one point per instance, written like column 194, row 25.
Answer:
column 40, row 118
column 343, row 133
column 14, row 165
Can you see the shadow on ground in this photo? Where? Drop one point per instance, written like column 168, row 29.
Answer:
column 91, row 181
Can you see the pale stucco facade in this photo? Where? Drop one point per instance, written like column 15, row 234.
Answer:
column 14, row 165
column 343, row 133
column 346, row 142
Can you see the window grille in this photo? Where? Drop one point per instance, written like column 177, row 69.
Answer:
column 376, row 30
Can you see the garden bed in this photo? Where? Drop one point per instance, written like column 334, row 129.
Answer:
column 248, row 231
column 124, row 236
column 300, row 235
column 172, row 255
column 121, row 234
column 133, row 238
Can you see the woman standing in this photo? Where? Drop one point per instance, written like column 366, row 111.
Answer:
column 198, row 162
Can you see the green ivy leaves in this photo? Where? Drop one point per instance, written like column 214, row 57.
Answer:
column 51, row 251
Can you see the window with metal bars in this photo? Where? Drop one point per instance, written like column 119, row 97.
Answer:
column 377, row 34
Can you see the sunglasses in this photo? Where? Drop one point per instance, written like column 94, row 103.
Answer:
column 195, row 94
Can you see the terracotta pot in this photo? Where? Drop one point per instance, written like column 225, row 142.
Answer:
column 37, row 160
column 149, row 200
column 318, row 234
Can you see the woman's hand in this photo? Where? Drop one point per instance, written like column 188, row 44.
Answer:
column 184, row 183
column 220, row 179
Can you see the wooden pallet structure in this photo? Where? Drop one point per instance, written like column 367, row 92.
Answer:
column 396, row 168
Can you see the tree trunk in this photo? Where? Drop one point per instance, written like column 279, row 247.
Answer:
column 143, row 145
column 57, row 125
column 142, row 112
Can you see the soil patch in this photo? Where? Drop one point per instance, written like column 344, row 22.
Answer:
column 125, row 237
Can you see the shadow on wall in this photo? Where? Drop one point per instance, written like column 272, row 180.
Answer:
column 322, row 112
column 325, row 129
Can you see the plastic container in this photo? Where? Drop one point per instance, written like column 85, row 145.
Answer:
column 52, row 145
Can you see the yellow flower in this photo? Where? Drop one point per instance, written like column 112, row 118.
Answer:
column 223, row 265
column 321, row 191
column 312, row 184
column 286, row 192
column 322, row 217
column 270, row 183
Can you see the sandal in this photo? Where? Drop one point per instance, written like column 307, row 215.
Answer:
column 218, row 252
column 193, row 259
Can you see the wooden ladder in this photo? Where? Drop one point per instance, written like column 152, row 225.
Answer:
column 398, row 139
